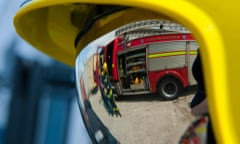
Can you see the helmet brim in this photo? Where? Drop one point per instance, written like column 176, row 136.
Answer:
column 52, row 26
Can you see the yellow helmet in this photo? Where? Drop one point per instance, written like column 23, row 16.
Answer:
column 53, row 25
column 136, row 81
column 57, row 27
column 105, row 68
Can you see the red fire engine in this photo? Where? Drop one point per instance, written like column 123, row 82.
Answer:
column 150, row 57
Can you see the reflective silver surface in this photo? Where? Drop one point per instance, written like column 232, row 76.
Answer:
column 134, row 95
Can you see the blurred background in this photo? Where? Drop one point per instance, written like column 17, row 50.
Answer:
column 37, row 94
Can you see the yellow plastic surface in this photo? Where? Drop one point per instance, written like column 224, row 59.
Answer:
column 214, row 24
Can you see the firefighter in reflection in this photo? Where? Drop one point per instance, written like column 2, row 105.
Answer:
column 107, row 92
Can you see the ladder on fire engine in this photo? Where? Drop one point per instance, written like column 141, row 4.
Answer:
column 148, row 28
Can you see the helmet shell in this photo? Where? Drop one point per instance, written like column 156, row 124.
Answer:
column 52, row 26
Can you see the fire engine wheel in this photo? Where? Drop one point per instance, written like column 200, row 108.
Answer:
column 169, row 88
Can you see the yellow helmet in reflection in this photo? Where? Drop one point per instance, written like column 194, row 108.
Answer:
column 105, row 68
column 136, row 81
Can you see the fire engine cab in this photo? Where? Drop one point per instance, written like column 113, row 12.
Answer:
column 150, row 57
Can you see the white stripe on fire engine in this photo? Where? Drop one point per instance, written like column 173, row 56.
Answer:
column 167, row 54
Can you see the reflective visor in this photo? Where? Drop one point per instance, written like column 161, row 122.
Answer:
column 129, row 82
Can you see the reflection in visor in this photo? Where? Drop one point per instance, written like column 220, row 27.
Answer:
column 97, row 130
column 123, row 99
column 106, row 89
